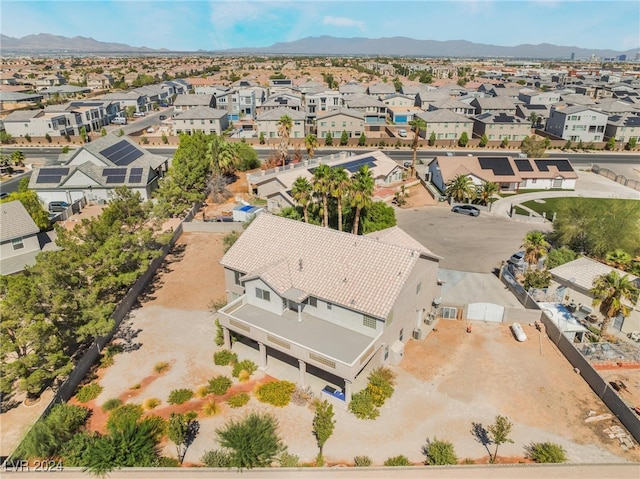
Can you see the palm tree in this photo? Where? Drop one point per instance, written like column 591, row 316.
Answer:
column 362, row 185
column 608, row 292
column 223, row 156
column 339, row 186
column 311, row 143
column 485, row 192
column 460, row 188
column 302, row 193
column 321, row 183
column 285, row 124
column 618, row 258
column 535, row 247
column 417, row 124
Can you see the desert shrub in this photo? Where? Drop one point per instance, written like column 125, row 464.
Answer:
column 439, row 453
column 288, row 460
column 468, row 461
column 179, row 396
column 380, row 387
column 88, row 392
column 244, row 376
column 151, row 403
column 546, row 452
column 238, row 400
column 276, row 393
column 219, row 340
column 362, row 461
column 362, row 405
column 301, row 397
column 111, row 404
column 135, row 387
column 216, row 458
column 120, row 418
column 244, row 365
column 224, row 358
column 210, row 408
column 161, row 367
column 164, row 461
column 202, row 391
column 219, row 385
column 158, row 424
column 397, row 461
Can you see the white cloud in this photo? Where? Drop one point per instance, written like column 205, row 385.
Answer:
column 343, row 22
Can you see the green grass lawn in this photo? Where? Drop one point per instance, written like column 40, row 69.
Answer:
column 552, row 205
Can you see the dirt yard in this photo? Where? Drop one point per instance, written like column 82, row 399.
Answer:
column 445, row 382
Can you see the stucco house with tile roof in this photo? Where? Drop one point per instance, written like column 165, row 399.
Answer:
column 445, row 124
column 201, row 118
column 319, row 297
column 576, row 278
column 511, row 174
column 267, row 122
column 338, row 120
column 19, row 242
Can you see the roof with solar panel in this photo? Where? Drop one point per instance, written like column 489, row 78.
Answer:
column 90, row 175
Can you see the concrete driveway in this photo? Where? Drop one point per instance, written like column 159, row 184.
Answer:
column 466, row 243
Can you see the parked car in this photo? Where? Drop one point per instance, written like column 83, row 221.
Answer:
column 3, row 195
column 402, row 133
column 57, row 206
column 466, row 210
column 138, row 114
column 163, row 117
column 517, row 259
column 224, row 219
column 119, row 120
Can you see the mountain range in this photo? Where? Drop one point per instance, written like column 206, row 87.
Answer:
column 324, row 45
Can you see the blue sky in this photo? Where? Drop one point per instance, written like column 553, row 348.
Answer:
column 211, row 25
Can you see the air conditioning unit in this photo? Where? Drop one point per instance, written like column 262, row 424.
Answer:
column 417, row 334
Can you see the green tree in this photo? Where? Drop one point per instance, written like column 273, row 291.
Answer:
column 323, row 425
column 17, row 157
column 546, row 452
column 261, row 138
column 302, row 194
column 537, row 278
column 618, row 258
column 535, row 247
column 432, row 138
column 505, row 142
column 362, row 186
column 559, row 256
column 31, row 203
column 344, row 138
column 103, row 131
column 484, row 139
column 499, row 434
column 363, row 139
column 285, row 124
column 464, row 139
column 47, row 137
column 311, row 143
column 460, row 188
column 339, row 184
column 534, row 147
column 486, row 191
column 417, row 125
column 321, row 183
column 611, row 144
column 610, row 292
column 252, row 441
column 439, row 453
column 631, row 144
column 182, row 431
column 377, row 216
column 328, row 140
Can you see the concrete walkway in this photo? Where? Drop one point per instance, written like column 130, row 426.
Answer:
column 588, row 185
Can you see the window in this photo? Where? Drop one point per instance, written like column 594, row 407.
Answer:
column 448, row 313
column 17, row 243
column 263, row 294
column 369, row 322
column 313, row 302
column 401, row 335
column 329, row 306
column 236, row 277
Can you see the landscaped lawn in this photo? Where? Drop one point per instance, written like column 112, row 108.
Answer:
column 553, row 205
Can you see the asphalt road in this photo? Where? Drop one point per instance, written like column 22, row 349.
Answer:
column 466, row 243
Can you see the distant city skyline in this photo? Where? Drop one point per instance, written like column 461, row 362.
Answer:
column 185, row 25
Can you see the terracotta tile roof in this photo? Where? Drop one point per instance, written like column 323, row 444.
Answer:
column 361, row 273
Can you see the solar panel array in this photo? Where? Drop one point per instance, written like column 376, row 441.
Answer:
column 355, row 165
column 51, row 175
column 561, row 165
column 114, row 175
column 523, row 165
column 136, row 175
column 122, row 153
column 498, row 164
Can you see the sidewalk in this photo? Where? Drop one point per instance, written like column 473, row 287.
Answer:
column 588, row 185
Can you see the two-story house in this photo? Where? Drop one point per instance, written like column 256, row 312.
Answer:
column 331, row 301
column 374, row 110
column 577, row 123
column 201, row 118
column 446, row 125
column 339, row 120
column 501, row 126
column 623, row 128
column 268, row 122
column 185, row 102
